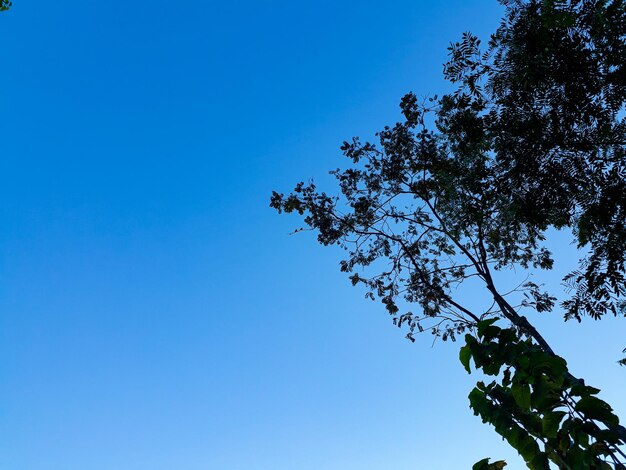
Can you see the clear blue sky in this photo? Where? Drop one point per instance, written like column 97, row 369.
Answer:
column 154, row 312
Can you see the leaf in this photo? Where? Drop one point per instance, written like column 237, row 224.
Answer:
column 545, row 394
column 579, row 389
column 597, row 409
column 555, row 367
column 485, row 465
column 521, row 394
column 550, row 423
column 484, row 324
column 529, row 449
column 540, row 462
column 481, row 464
column 465, row 354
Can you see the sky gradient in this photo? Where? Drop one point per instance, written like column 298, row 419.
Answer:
column 155, row 313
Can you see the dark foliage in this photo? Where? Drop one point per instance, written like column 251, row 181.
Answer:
column 549, row 91
column 540, row 409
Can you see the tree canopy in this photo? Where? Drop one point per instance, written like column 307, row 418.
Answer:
column 467, row 185
column 548, row 95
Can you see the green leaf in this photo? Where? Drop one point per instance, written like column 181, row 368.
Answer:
column 521, row 394
column 479, row 404
column 483, row 325
column 579, row 389
column 481, row 464
column 555, row 367
column 545, row 394
column 485, row 465
column 540, row 462
column 531, row 453
column 597, row 409
column 507, row 336
column 465, row 354
column 550, row 423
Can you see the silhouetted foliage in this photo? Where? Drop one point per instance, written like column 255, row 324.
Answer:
column 468, row 184
column 5, row 5
column 537, row 406
column 548, row 94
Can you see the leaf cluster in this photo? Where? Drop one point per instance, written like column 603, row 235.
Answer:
column 422, row 209
column 537, row 406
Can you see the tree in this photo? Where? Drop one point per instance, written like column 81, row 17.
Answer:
column 554, row 79
column 467, row 185
column 5, row 5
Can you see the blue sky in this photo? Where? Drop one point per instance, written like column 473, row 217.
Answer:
column 154, row 312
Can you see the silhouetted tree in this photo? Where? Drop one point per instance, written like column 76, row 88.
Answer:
column 549, row 93
column 468, row 184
